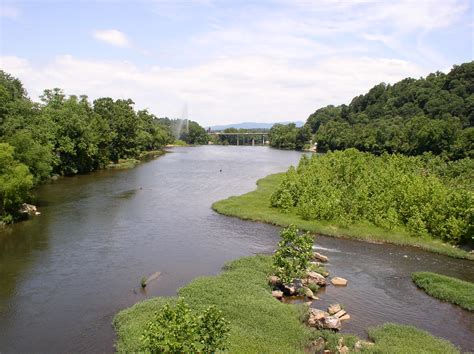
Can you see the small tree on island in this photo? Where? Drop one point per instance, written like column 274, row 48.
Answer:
column 176, row 329
column 293, row 255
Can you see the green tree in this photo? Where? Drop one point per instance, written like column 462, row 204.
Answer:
column 293, row 255
column 15, row 183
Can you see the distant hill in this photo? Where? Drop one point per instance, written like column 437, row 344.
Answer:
column 252, row 125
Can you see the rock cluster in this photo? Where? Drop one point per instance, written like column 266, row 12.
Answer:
column 29, row 209
column 327, row 320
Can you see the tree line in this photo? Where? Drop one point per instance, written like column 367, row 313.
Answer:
column 65, row 135
column 433, row 114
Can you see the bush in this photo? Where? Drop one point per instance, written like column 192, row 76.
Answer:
column 293, row 255
column 424, row 195
column 176, row 330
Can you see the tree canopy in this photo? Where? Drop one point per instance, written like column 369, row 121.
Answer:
column 65, row 135
column 433, row 114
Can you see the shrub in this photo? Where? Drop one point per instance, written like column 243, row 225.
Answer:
column 293, row 255
column 176, row 330
column 425, row 195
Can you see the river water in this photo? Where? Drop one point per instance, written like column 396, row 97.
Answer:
column 65, row 273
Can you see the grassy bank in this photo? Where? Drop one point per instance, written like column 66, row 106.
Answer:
column 130, row 163
column 445, row 288
column 261, row 324
column 256, row 206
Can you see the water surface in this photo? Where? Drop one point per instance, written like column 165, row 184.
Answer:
column 64, row 274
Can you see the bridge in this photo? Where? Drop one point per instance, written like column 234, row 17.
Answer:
column 262, row 134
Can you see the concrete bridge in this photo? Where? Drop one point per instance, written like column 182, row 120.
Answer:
column 263, row 135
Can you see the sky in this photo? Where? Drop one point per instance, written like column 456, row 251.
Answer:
column 221, row 62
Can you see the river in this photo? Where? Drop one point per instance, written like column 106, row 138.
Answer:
column 65, row 273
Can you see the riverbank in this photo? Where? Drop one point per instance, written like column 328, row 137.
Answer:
column 130, row 163
column 255, row 206
column 445, row 288
column 261, row 324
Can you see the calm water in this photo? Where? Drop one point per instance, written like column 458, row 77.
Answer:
column 64, row 274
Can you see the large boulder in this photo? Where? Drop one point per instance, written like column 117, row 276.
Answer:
column 315, row 278
column 315, row 316
column 339, row 281
column 319, row 257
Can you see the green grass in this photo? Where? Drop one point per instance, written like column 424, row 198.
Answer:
column 445, row 288
column 256, row 206
column 123, row 164
column 395, row 338
column 259, row 323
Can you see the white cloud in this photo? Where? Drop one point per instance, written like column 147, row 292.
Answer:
column 226, row 90
column 112, row 37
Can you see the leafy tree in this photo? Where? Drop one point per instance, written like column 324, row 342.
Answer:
column 410, row 117
column 293, row 255
column 15, row 182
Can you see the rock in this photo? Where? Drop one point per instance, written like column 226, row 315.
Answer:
column 277, row 294
column 289, row 289
column 315, row 278
column 319, row 257
column 317, row 345
column 308, row 293
column 339, row 281
column 308, row 303
column 339, row 314
column 331, row 322
column 345, row 317
column 343, row 350
column 322, row 320
column 360, row 344
column 315, row 316
column 273, row 280
column 335, row 308
column 28, row 209
column 37, row 213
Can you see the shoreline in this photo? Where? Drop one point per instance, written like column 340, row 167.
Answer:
column 279, row 326
column 255, row 206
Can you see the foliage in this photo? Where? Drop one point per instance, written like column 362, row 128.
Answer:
column 68, row 135
column 242, row 294
column 396, row 338
column 15, row 181
column 289, row 136
column 256, row 206
column 446, row 288
column 391, row 191
column 411, row 117
column 293, row 255
column 176, row 329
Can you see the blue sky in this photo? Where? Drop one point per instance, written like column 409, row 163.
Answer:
column 230, row 61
